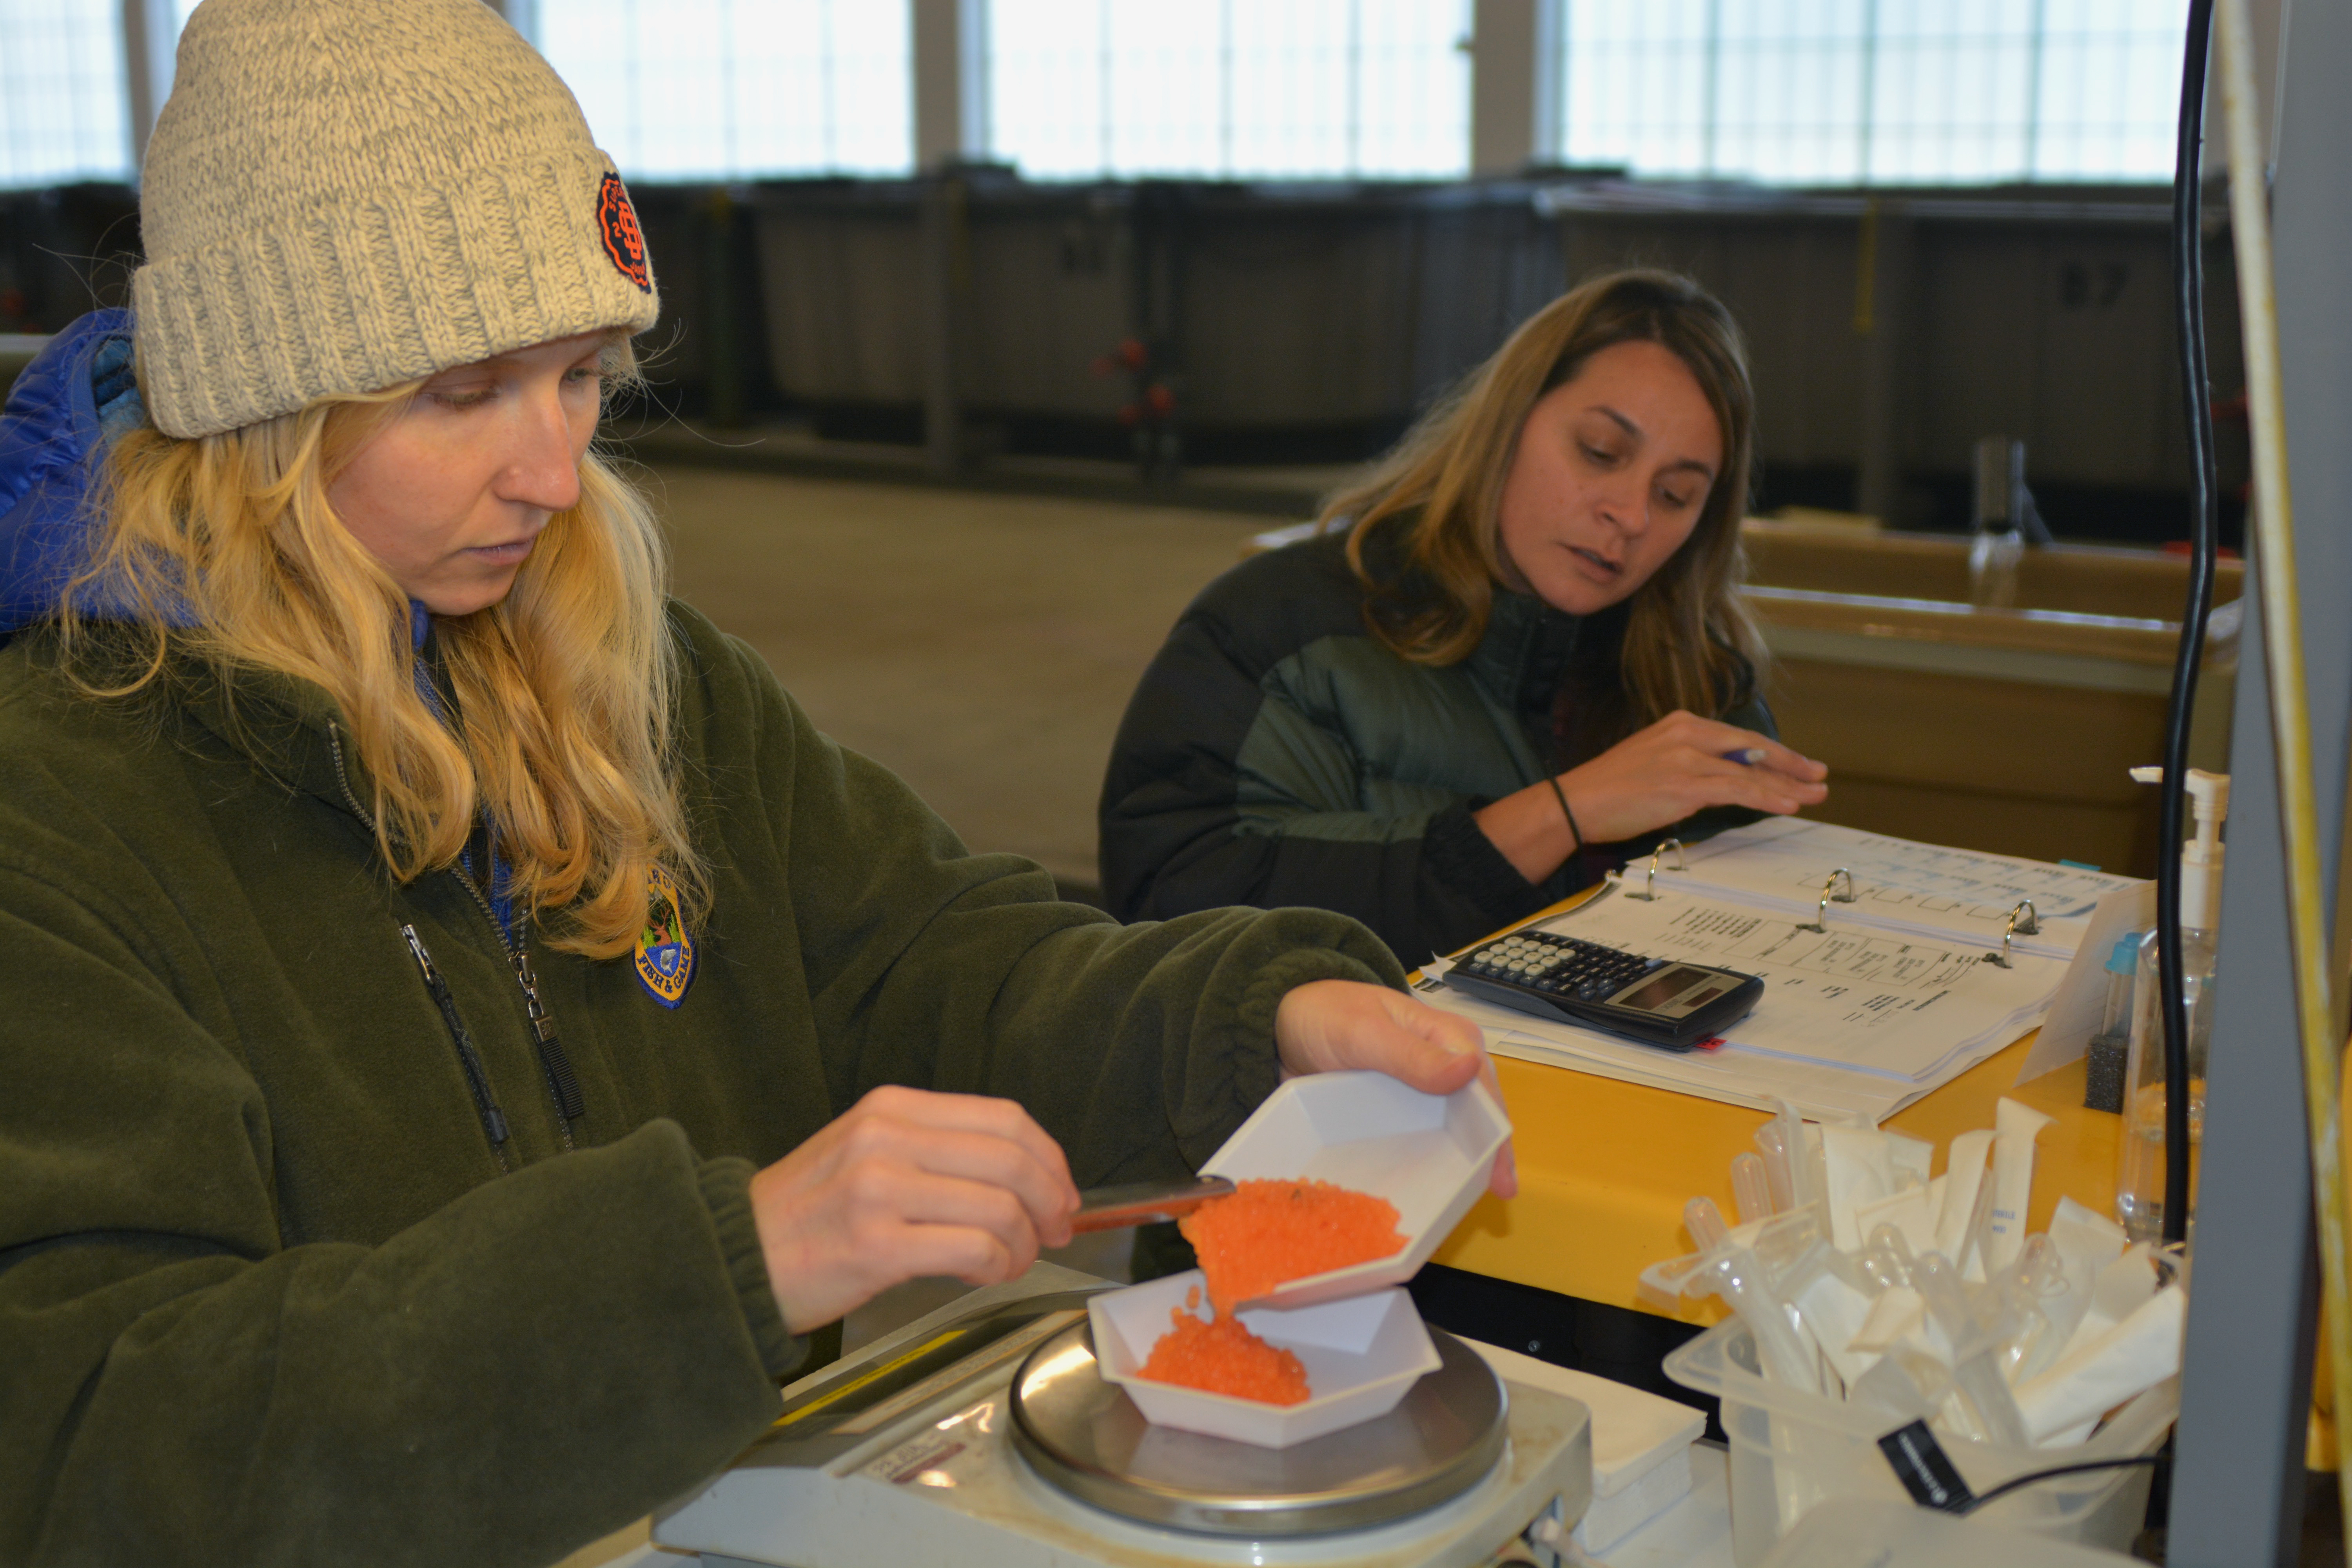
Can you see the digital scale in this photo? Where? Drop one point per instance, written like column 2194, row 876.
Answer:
column 983, row 1434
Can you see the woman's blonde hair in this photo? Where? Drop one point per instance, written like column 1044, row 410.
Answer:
column 228, row 549
column 1433, row 504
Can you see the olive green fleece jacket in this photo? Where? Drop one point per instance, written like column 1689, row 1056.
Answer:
column 267, row 1293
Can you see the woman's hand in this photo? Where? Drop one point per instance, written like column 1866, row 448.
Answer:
column 1650, row 779
column 1685, row 764
column 1328, row 1025
column 908, row 1183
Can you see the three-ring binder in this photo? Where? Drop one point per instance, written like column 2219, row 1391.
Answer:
column 1650, row 887
column 2023, row 918
column 1830, row 893
column 2032, row 923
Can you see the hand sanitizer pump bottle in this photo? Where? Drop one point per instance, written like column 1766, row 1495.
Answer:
column 2139, row 1176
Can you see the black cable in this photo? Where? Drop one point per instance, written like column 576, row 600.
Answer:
column 2189, row 284
column 2014, row 1482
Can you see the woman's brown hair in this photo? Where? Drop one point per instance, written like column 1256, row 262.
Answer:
column 1689, row 641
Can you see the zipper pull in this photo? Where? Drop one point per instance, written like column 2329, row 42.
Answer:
column 424, row 961
column 478, row 1078
column 551, row 1054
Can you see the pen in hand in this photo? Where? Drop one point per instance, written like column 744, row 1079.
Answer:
column 1746, row 756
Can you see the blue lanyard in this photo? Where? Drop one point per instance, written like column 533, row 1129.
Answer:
column 501, row 881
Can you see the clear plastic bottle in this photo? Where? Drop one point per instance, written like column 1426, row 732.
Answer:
column 2109, row 1053
column 1999, row 504
column 2139, row 1174
column 1993, row 557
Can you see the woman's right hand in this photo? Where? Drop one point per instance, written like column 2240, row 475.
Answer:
column 1682, row 764
column 908, row 1183
column 1649, row 780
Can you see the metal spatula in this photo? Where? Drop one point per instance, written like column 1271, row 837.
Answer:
column 1142, row 1202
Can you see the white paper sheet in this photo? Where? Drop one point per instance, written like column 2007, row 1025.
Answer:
column 1735, row 1076
column 1817, row 1092
column 2077, row 1010
column 1964, row 894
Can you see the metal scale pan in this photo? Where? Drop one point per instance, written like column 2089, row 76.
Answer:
column 1084, row 1436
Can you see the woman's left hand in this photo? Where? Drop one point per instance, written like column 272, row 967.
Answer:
column 1326, row 1025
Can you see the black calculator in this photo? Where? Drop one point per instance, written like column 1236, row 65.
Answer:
column 1658, row 1001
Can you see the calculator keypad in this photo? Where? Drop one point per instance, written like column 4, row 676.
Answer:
column 1559, row 966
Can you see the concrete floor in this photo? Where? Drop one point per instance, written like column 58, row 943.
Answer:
column 980, row 646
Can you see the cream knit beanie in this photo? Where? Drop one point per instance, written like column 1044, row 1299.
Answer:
column 344, row 195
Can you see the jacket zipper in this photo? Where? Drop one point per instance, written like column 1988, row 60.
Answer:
column 494, row 1121
column 562, row 1083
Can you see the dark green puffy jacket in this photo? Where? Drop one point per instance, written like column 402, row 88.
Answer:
column 1276, row 754
column 269, row 1290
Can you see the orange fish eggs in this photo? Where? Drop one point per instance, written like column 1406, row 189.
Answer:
column 1269, row 1232
column 1222, row 1357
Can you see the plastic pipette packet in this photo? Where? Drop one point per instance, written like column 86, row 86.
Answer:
column 1911, row 1159
column 1833, row 1297
column 1807, row 1168
column 1909, row 1377
column 1976, row 1369
column 2085, row 1241
column 1964, row 1175
column 1908, row 1211
column 2016, row 1126
column 2128, row 1358
column 1896, row 1318
column 1783, row 1352
column 1902, row 1386
column 1771, row 1147
column 1975, row 1234
column 1791, row 1146
column 1751, row 1189
column 2013, row 1313
column 1875, row 1177
column 1735, row 1272
column 1860, row 1170
column 1777, row 1242
column 1909, row 1338
column 2118, row 1291
column 1732, row 1266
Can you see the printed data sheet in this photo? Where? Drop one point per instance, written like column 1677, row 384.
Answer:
column 1967, row 893
column 1871, row 1000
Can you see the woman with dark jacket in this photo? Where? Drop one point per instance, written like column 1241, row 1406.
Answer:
column 1512, row 657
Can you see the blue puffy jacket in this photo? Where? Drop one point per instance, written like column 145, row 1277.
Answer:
column 66, row 408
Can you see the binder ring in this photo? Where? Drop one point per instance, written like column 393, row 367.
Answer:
column 1829, row 892
column 2029, row 926
column 1650, row 884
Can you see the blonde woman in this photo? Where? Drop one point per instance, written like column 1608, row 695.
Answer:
column 467, row 1036
column 1513, row 656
